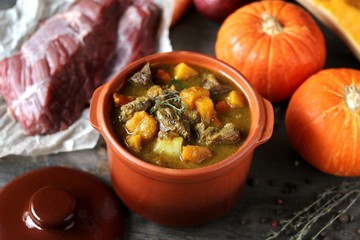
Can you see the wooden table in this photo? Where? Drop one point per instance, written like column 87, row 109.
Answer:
column 281, row 183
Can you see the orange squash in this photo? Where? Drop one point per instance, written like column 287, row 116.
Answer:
column 323, row 121
column 276, row 45
column 341, row 16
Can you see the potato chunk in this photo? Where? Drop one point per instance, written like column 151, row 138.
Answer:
column 205, row 107
column 183, row 71
column 170, row 146
column 195, row 154
column 190, row 95
column 142, row 124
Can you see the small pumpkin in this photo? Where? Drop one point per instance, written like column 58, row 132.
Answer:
column 276, row 45
column 323, row 121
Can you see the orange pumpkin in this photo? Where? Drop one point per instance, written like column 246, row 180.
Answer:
column 323, row 121
column 276, row 45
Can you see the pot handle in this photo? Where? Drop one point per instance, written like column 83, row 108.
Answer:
column 93, row 116
column 269, row 122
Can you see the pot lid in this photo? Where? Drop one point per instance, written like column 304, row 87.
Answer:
column 59, row 203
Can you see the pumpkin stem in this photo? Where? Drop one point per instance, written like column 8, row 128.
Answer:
column 352, row 97
column 270, row 25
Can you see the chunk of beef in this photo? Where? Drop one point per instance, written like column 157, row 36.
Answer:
column 192, row 115
column 211, row 83
column 209, row 135
column 228, row 134
column 137, row 32
column 142, row 77
column 170, row 121
column 205, row 134
column 142, row 103
column 48, row 83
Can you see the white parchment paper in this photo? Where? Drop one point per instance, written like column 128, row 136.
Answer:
column 16, row 24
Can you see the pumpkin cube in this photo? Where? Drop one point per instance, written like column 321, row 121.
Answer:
column 235, row 99
column 183, row 71
column 154, row 91
column 142, row 124
column 190, row 95
column 134, row 142
column 205, row 107
column 195, row 154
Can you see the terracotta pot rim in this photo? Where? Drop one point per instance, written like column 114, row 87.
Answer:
column 254, row 138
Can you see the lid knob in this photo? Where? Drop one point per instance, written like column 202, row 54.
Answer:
column 52, row 207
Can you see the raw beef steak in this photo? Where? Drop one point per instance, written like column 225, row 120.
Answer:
column 49, row 82
column 137, row 34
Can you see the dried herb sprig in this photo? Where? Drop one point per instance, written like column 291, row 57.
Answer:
column 327, row 202
column 170, row 99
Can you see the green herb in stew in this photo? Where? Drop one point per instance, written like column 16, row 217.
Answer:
column 180, row 116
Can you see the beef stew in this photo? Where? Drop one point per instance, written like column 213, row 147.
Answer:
column 180, row 116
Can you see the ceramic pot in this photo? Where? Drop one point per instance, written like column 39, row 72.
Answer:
column 180, row 197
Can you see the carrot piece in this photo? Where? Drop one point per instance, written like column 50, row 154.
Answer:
column 205, row 107
column 216, row 121
column 222, row 106
column 134, row 142
column 121, row 99
column 163, row 76
column 143, row 124
column 235, row 99
column 195, row 154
